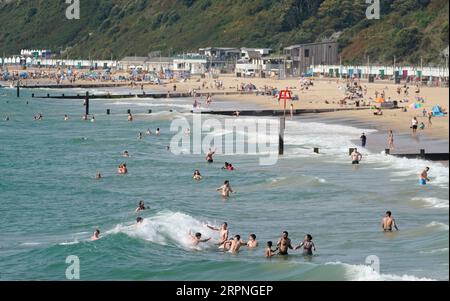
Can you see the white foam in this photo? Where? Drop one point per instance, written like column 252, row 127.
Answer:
column 168, row 228
column 367, row 273
column 439, row 225
column 443, row 250
column 433, row 202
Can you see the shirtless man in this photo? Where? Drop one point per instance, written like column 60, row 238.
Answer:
column 96, row 235
column 141, row 207
column 209, row 156
column 235, row 244
column 225, row 189
column 388, row 222
column 252, row 243
column 284, row 244
column 197, row 238
column 223, row 233
column 356, row 157
column 423, row 178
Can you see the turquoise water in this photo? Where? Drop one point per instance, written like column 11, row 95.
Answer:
column 51, row 204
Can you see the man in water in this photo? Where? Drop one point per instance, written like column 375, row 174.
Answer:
column 197, row 238
column 139, row 221
column 284, row 244
column 141, row 207
column 126, row 154
column 388, row 222
column 252, row 243
column 223, row 233
column 356, row 157
column 235, row 244
column 96, row 235
column 363, row 140
column 269, row 252
column 98, row 176
column 424, row 177
column 225, row 189
column 209, row 156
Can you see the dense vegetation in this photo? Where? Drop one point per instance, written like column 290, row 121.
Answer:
column 408, row 29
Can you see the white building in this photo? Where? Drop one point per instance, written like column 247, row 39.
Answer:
column 194, row 64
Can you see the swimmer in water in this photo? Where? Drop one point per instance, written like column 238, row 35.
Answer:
column 284, row 244
column 7, row 118
column 140, row 136
column 197, row 238
column 423, row 177
column 197, row 176
column 223, row 233
column 93, row 118
column 158, row 132
column 235, row 244
column 123, row 169
column 389, row 222
column 168, row 148
column 269, row 252
column 130, row 117
column 356, row 157
column 98, row 176
column 66, row 117
column 252, row 243
column 149, row 132
column 139, row 221
column 126, row 154
column 225, row 189
column 307, row 245
column 209, row 156
column 96, row 235
column 141, row 207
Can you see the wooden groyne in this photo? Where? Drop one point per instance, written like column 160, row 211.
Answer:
column 140, row 95
column 422, row 155
column 271, row 113
column 74, row 86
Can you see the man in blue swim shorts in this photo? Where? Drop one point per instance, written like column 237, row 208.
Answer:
column 424, row 177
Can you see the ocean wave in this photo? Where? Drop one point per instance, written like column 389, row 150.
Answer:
column 439, row 225
column 367, row 273
column 443, row 250
column 168, row 228
column 433, row 202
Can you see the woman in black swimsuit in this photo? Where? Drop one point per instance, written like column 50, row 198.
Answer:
column 308, row 246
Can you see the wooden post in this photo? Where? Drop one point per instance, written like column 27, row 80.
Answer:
column 281, row 136
column 108, row 112
column 150, row 111
column 32, row 95
column 18, row 88
column 316, row 150
column 387, row 151
column 87, row 103
column 422, row 153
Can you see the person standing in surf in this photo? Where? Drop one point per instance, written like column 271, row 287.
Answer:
column 209, row 156
column 423, row 178
column 197, row 238
column 363, row 140
column 389, row 222
column 307, row 245
column 284, row 243
column 225, row 189
column 391, row 140
column 356, row 157
column 223, row 233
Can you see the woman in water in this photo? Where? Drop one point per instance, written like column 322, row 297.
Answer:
column 141, row 207
column 225, row 189
column 197, row 176
column 308, row 246
column 96, row 235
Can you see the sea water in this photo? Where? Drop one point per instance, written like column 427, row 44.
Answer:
column 51, row 204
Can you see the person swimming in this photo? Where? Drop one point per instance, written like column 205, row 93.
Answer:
column 141, row 207
column 93, row 118
column 197, row 238
column 140, row 136
column 197, row 176
column 423, row 177
column 98, row 176
column 225, row 189
column 158, row 132
column 66, row 117
column 126, row 154
column 308, row 246
column 209, row 156
column 149, row 132
column 269, row 252
column 130, row 117
column 96, row 235
column 252, row 243
column 123, row 169
column 139, row 221
column 389, row 222
column 284, row 244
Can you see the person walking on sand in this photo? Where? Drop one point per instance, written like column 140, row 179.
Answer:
column 391, row 140
column 388, row 222
column 430, row 117
column 414, row 125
